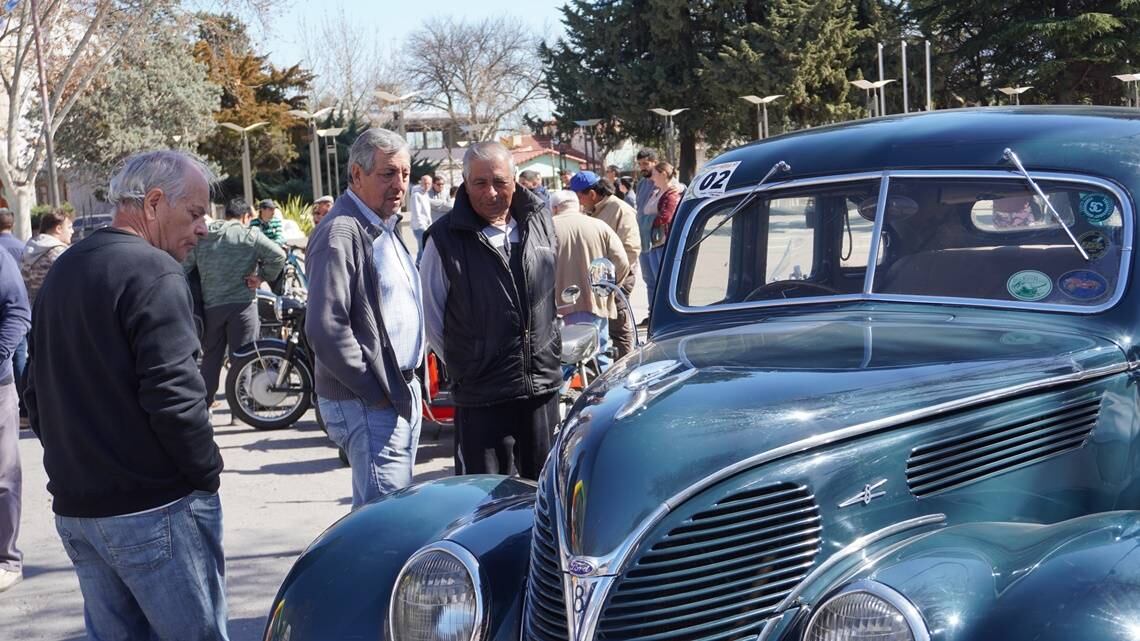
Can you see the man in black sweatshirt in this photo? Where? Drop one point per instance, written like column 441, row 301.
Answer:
column 115, row 396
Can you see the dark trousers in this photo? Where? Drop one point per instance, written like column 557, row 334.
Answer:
column 621, row 328
column 489, row 438
column 227, row 327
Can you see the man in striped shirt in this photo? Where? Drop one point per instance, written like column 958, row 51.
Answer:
column 268, row 222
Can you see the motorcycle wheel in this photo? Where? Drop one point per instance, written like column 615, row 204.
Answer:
column 249, row 393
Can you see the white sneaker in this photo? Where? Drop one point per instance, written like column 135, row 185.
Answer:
column 8, row 578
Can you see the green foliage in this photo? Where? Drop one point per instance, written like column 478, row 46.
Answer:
column 152, row 94
column 39, row 210
column 1068, row 51
column 253, row 90
column 297, row 210
column 620, row 58
column 421, row 166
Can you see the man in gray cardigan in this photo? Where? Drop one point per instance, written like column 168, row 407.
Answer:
column 365, row 320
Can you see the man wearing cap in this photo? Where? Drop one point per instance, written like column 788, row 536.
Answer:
column 268, row 222
column 320, row 208
column 596, row 197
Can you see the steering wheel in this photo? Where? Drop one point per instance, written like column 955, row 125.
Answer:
column 780, row 289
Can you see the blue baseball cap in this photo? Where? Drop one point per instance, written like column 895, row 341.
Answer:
column 583, row 180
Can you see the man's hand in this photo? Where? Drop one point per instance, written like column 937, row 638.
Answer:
column 253, row 281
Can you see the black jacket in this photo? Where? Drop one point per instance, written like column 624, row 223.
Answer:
column 113, row 388
column 500, row 341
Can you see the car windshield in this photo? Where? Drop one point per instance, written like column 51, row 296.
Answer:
column 986, row 240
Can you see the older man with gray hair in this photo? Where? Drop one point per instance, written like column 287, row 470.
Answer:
column 365, row 320
column 488, row 280
column 115, row 396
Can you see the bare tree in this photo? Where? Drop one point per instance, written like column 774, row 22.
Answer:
column 348, row 61
column 479, row 72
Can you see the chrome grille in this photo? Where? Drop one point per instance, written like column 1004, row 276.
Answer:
column 718, row 574
column 967, row 458
column 545, row 617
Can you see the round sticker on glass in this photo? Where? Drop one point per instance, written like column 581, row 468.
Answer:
column 1029, row 285
column 1082, row 284
column 1097, row 208
column 1095, row 243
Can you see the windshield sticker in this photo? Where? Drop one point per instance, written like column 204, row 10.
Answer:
column 1029, row 285
column 1082, row 284
column 1097, row 208
column 1095, row 243
column 713, row 180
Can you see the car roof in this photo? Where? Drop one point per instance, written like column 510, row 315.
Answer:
column 1103, row 141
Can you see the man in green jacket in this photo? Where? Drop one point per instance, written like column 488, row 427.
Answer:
column 231, row 261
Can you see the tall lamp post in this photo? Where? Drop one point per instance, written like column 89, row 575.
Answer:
column 762, row 104
column 1014, row 93
column 874, row 107
column 391, row 98
column 668, row 115
column 246, row 180
column 588, row 140
column 1132, row 78
column 330, row 150
column 314, row 153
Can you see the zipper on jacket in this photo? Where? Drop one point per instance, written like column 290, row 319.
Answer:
column 524, row 305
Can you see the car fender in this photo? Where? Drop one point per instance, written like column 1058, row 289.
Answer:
column 342, row 583
column 1078, row 579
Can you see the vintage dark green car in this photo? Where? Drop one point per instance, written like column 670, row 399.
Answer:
column 890, row 393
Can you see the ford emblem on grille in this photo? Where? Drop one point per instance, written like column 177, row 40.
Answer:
column 580, row 567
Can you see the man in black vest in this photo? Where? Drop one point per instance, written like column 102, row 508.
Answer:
column 488, row 287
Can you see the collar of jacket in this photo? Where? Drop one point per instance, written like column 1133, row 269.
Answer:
column 346, row 206
column 524, row 204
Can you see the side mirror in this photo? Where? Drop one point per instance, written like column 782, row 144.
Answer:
column 571, row 294
column 603, row 276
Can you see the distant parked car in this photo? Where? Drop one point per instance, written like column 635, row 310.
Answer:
column 84, row 225
column 890, row 393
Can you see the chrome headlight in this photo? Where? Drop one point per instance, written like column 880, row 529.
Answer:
column 438, row 596
column 867, row 610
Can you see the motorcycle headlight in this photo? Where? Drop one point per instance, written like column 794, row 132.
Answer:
column 866, row 610
column 438, row 596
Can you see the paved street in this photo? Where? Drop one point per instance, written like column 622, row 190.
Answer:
column 279, row 491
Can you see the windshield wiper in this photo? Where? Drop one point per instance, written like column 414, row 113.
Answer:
column 780, row 166
column 1012, row 157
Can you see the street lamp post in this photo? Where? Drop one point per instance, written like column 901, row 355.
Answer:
column 868, row 86
column 392, row 98
column 314, row 160
column 1131, row 78
column 762, row 120
column 332, row 132
column 246, row 180
column 588, row 140
column 668, row 115
column 1015, row 92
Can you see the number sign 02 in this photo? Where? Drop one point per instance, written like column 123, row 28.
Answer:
column 713, row 179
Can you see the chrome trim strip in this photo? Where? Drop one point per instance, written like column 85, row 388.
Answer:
column 616, row 561
column 910, row 614
column 877, row 233
column 856, row 546
column 1122, row 197
column 469, row 562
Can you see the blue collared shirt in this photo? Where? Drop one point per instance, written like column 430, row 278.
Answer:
column 401, row 302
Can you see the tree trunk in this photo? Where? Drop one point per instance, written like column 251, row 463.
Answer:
column 21, row 199
column 688, row 161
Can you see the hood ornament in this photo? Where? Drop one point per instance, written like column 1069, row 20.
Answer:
column 870, row 492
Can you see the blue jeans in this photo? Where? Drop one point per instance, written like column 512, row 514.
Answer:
column 419, row 234
column 155, row 575
column 650, row 270
column 381, row 446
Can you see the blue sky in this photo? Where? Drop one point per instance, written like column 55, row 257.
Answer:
column 395, row 18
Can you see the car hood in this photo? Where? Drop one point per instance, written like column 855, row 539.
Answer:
column 690, row 406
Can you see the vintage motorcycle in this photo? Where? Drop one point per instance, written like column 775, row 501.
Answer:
column 270, row 381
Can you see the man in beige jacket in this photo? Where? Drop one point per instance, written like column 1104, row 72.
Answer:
column 581, row 239
column 596, row 197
